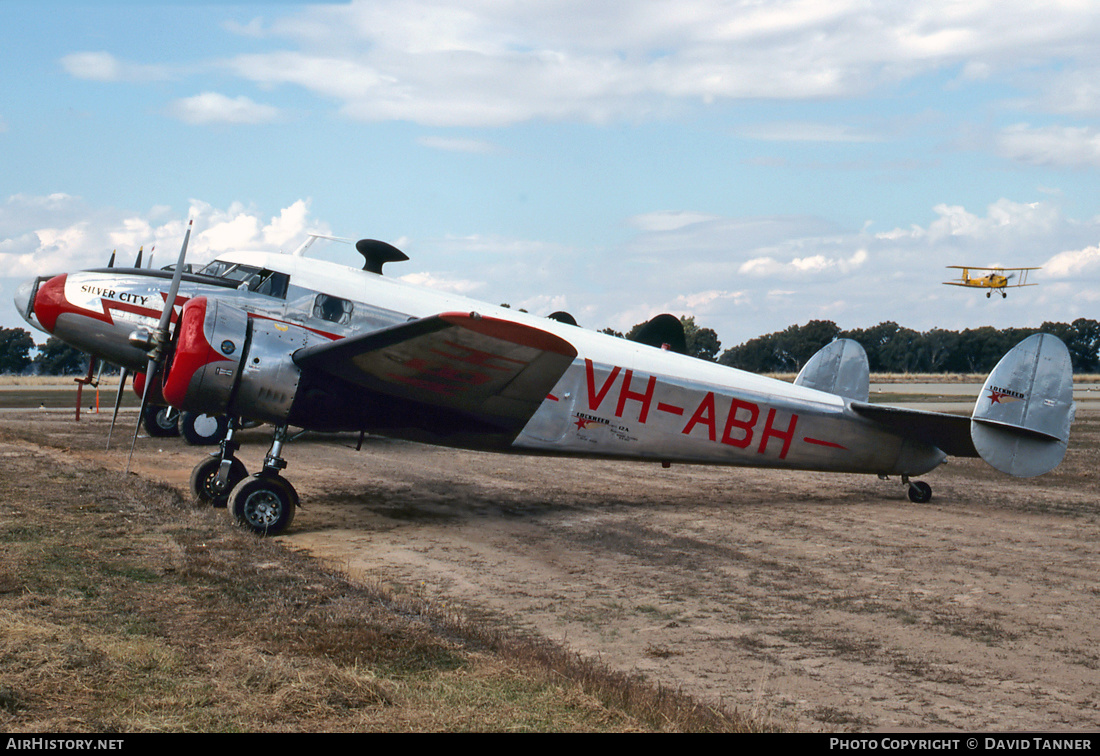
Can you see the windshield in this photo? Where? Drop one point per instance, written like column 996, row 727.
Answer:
column 230, row 271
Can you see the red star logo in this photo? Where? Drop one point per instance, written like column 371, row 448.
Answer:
column 996, row 397
column 582, row 423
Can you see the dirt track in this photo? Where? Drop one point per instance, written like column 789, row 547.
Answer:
column 824, row 602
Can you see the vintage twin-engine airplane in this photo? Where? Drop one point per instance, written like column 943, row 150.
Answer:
column 294, row 341
column 996, row 279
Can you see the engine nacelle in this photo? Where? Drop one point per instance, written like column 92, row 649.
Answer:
column 225, row 362
column 204, row 363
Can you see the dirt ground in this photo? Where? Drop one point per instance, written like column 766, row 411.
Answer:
column 821, row 602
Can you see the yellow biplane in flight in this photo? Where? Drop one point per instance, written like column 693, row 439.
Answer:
column 996, row 279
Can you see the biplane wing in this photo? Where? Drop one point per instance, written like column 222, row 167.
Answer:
column 993, row 278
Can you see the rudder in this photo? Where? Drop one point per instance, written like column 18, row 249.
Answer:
column 1021, row 420
column 840, row 367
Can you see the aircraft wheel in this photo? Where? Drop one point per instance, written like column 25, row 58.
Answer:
column 160, row 421
column 920, row 492
column 203, row 430
column 264, row 503
column 988, row 294
column 204, row 478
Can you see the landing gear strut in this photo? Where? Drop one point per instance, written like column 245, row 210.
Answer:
column 919, row 491
column 265, row 502
column 215, row 476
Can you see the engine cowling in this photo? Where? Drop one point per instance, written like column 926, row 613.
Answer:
column 225, row 362
column 203, row 364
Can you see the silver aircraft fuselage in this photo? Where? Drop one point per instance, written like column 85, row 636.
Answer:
column 618, row 398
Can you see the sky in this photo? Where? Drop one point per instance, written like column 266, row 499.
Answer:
column 754, row 164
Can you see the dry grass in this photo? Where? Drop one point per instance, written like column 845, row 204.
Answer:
column 125, row 609
column 68, row 381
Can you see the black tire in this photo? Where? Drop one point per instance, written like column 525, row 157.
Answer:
column 200, row 429
column 204, row 476
column 160, row 421
column 264, row 503
column 920, row 492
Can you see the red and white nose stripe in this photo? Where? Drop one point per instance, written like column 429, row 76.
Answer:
column 50, row 302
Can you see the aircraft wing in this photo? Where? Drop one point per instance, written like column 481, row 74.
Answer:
column 493, row 370
column 950, row 433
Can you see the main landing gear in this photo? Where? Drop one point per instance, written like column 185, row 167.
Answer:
column 264, row 502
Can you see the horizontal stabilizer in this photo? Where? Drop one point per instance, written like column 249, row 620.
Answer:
column 949, row 433
column 840, row 367
column 497, row 371
column 1021, row 421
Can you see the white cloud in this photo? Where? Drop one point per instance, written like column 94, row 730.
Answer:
column 291, row 223
column 800, row 266
column 40, row 235
column 462, row 63
column 451, row 144
column 669, row 221
column 103, row 66
column 792, row 131
column 213, row 107
column 1051, row 145
column 1074, row 264
column 440, row 283
column 446, row 62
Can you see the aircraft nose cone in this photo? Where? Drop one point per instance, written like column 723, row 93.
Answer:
column 23, row 302
column 49, row 302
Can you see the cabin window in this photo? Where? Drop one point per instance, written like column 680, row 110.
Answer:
column 333, row 309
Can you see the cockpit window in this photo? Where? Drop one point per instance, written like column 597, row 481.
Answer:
column 332, row 309
column 270, row 283
column 231, row 271
column 250, row 277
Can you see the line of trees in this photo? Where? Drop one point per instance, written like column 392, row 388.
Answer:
column 55, row 357
column 894, row 349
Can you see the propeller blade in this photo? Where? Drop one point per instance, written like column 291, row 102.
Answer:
column 118, row 403
column 137, row 262
column 160, row 338
column 111, row 262
column 152, row 249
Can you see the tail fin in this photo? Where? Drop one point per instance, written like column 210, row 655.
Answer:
column 840, row 367
column 1021, row 421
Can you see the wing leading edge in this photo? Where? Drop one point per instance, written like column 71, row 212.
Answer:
column 496, row 371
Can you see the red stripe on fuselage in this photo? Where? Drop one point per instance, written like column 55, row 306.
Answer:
column 50, row 303
column 819, row 442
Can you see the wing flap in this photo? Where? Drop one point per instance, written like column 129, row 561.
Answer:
column 495, row 370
